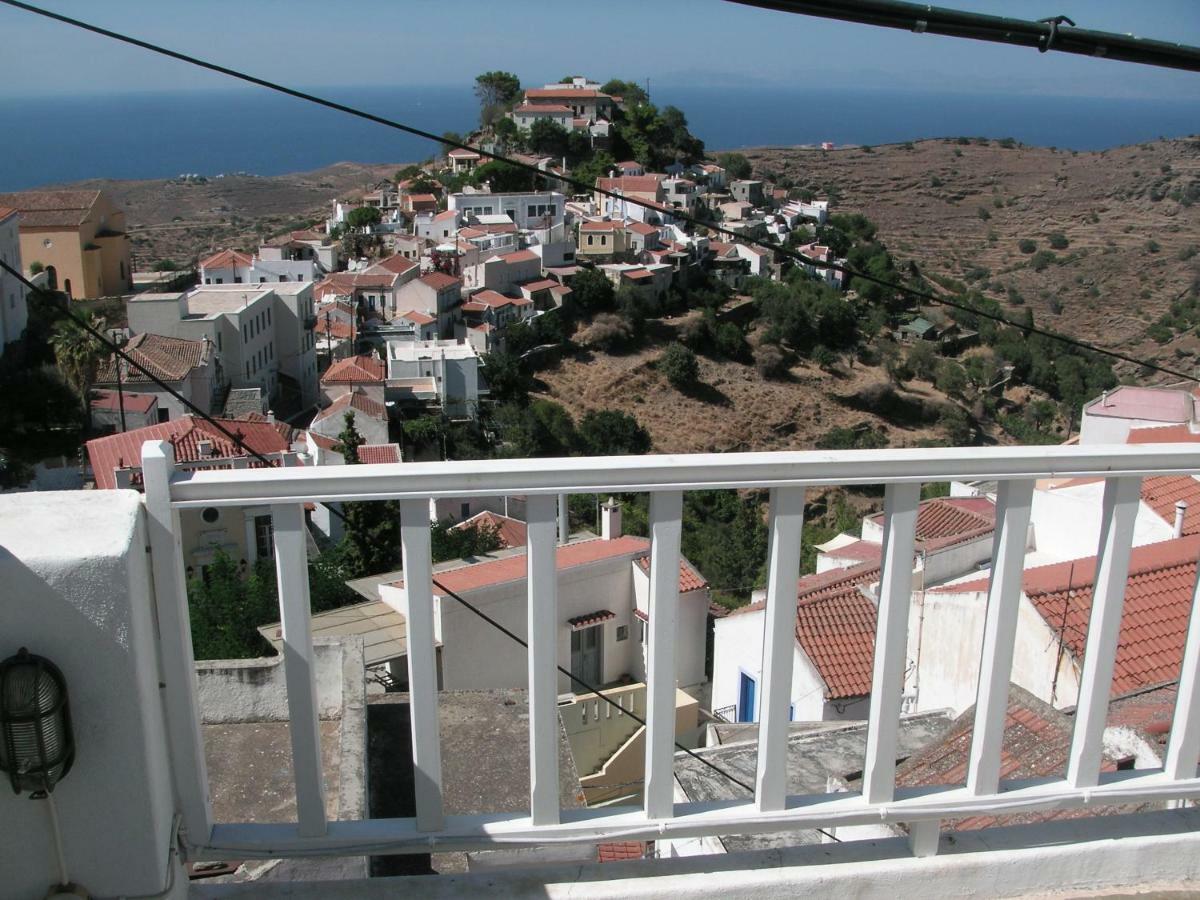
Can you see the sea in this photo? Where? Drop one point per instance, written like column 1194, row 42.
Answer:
column 50, row 140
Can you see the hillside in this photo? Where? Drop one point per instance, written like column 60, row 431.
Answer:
column 1130, row 216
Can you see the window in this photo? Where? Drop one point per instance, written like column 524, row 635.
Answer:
column 245, row 334
column 219, row 280
column 247, row 368
column 642, row 631
column 237, row 279
column 622, row 632
column 591, row 240
column 264, row 537
column 219, row 347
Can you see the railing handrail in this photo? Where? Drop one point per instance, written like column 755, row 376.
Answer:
column 599, row 474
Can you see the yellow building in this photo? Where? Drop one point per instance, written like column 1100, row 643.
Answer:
column 78, row 237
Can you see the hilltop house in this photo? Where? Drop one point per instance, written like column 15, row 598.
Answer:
column 300, row 246
column 78, row 237
column 445, row 373
column 190, row 368
column 364, row 373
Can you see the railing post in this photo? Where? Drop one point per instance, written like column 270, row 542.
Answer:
column 176, row 659
column 1121, row 498
column 666, row 514
column 422, row 663
column 540, row 510
column 299, row 669
column 779, row 647
column 900, row 505
column 564, row 519
column 1014, row 501
column 1184, row 747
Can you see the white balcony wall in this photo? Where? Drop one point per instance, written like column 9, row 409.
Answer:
column 77, row 590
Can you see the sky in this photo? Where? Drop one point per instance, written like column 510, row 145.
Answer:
column 414, row 43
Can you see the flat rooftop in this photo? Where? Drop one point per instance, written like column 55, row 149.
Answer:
column 213, row 300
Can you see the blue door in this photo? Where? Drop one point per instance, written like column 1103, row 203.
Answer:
column 746, row 691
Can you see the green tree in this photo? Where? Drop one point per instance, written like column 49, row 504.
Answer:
column 923, row 360
column 506, row 378
column 450, row 542
column 951, row 379
column 39, row 417
column 591, row 291
column 548, row 138
column 372, row 541
column 505, row 130
column 496, row 91
column 503, row 176
column 364, row 217
column 609, row 432
column 228, row 605
column 630, row 92
column 736, row 165
column 77, row 354
column 678, row 364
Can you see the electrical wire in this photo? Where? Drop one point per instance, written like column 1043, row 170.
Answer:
column 787, row 252
column 1053, row 33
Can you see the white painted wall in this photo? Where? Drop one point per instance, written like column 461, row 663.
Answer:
column 1066, row 522
column 77, row 590
column 13, row 312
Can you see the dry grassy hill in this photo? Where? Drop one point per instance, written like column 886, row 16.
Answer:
column 961, row 210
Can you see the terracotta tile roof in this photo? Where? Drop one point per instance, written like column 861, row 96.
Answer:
column 602, row 226
column 1149, row 712
column 355, row 370
column 325, row 443
column 227, row 259
column 636, row 184
column 566, row 93
column 419, row 317
column 492, row 299
column 543, row 109
column 470, row 307
column 539, row 285
column 945, row 521
column 51, row 209
column 1158, row 601
column 169, row 358
column 637, row 274
column 396, row 264
column 337, row 328
column 344, row 284
column 474, row 576
column 1166, row 434
column 835, row 627
column 372, row 454
column 136, row 403
column 439, row 281
column 1162, row 493
column 689, row 578
column 125, row 450
column 283, row 240
column 617, row 851
column 641, row 228
column 6, row 211
column 1037, row 740
column 512, row 532
column 587, row 620
column 355, row 400
column 860, row 550
column 520, row 256
column 459, row 153
column 446, row 214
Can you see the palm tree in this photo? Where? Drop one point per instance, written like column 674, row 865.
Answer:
column 77, row 354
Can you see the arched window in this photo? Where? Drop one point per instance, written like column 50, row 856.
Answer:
column 52, row 278
column 67, row 286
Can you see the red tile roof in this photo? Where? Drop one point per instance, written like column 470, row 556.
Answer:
column 439, row 281
column 1165, row 434
column 1162, row 493
column 1037, row 740
column 511, row 531
column 169, row 358
column 566, row 93
column 1158, row 601
column 601, row 226
column 227, row 259
column 641, row 228
column 491, row 298
column 125, row 450
column 372, row 454
column 587, row 620
column 860, row 550
column 520, row 256
column 419, row 317
column 1150, row 711
column 543, row 109
column 51, row 209
column 945, row 521
column 6, row 211
column 689, row 578
column 636, row 184
column 355, row 370
column 336, row 327
column 539, row 285
column 459, row 153
column 356, row 400
column 616, row 851
column 835, row 627
column 395, row 264
column 137, row 403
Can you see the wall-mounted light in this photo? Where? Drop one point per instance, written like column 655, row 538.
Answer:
column 36, row 743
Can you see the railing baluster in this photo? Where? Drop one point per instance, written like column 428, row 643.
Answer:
column 176, row 658
column 1121, row 498
column 666, row 513
column 422, row 663
column 900, row 505
column 541, row 526
column 1184, row 747
column 779, row 642
column 1014, row 502
column 291, row 569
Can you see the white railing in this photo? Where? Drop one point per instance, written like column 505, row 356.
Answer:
column 666, row 478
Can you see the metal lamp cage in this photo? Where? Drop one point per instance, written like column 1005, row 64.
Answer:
column 37, row 747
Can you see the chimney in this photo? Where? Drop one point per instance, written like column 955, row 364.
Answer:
column 270, row 417
column 1104, row 399
column 1180, row 512
column 610, row 520
column 204, row 447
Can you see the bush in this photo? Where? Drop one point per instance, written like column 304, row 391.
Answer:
column 770, row 361
column 983, row 213
column 1058, row 241
column 607, row 332
column 679, row 365
column 1041, row 259
column 860, row 437
column 1025, row 245
column 729, row 342
column 957, row 424
column 1152, row 246
column 608, row 432
column 922, row 360
column 951, row 379
column 36, row 268
column 1187, row 252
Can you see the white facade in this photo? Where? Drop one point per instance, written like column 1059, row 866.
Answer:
column 261, row 271
column 258, row 331
column 13, row 312
column 528, row 209
column 453, row 366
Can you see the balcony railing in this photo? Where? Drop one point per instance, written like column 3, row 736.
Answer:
column 665, row 478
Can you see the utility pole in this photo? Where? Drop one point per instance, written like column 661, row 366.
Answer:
column 120, row 393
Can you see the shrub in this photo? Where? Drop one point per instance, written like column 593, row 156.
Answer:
column 1152, row 246
column 824, row 357
column 922, row 360
column 957, row 424
column 607, row 332
column 36, row 268
column 1187, row 252
column 1058, row 241
column 729, row 341
column 860, row 437
column 1041, row 259
column 1025, row 245
column 934, row 181
column 951, row 379
column 983, row 213
column 679, row 365
column 770, row 361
